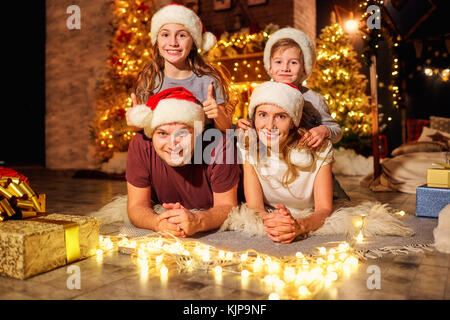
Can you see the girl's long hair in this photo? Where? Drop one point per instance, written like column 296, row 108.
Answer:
column 150, row 79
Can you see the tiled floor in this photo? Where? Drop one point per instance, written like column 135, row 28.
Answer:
column 415, row 276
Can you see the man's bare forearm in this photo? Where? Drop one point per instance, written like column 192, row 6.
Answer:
column 213, row 218
column 143, row 217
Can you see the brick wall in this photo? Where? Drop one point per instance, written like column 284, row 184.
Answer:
column 295, row 13
column 278, row 12
column 75, row 60
column 305, row 17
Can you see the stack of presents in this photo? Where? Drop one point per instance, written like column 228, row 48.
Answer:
column 33, row 241
column 432, row 197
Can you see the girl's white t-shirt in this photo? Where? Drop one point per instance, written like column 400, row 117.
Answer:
column 300, row 193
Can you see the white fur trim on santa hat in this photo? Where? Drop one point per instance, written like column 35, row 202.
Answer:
column 209, row 41
column 174, row 13
column 305, row 43
column 137, row 114
column 279, row 94
column 173, row 111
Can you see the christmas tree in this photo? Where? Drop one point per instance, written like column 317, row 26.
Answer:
column 129, row 52
column 338, row 78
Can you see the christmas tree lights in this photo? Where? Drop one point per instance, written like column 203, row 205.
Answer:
column 129, row 52
column 338, row 78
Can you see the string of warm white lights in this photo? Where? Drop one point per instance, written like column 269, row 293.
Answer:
column 297, row 277
column 294, row 277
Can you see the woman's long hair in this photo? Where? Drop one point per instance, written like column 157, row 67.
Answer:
column 150, row 79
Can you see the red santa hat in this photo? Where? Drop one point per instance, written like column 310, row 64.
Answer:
column 173, row 105
column 177, row 13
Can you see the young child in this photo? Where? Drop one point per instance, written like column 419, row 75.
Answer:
column 177, row 35
column 289, row 56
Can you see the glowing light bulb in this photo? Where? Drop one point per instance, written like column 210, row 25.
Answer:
column 274, row 296
column 358, row 223
column 274, row 267
column 360, row 237
column 428, row 72
column 245, row 273
column 401, row 213
column 303, row 291
column 332, row 276
column 289, row 274
column 351, row 26
column 279, row 284
column 218, row 270
column 163, row 271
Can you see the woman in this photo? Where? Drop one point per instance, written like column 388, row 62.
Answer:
column 291, row 177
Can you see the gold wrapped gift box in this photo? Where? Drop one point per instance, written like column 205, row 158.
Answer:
column 438, row 178
column 39, row 244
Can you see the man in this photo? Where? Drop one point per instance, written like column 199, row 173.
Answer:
column 160, row 169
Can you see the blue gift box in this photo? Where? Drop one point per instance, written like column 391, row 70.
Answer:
column 430, row 201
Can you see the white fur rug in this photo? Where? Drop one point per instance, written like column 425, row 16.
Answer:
column 383, row 231
column 379, row 219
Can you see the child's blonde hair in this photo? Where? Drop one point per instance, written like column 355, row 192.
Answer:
column 284, row 44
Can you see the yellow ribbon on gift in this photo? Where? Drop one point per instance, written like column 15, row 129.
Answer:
column 71, row 236
column 445, row 166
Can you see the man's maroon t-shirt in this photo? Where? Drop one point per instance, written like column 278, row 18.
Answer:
column 192, row 185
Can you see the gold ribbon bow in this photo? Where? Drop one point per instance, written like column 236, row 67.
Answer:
column 16, row 195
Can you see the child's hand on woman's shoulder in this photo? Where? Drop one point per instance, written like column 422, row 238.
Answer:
column 315, row 136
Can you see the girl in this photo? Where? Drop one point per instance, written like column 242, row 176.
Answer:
column 287, row 180
column 289, row 56
column 177, row 36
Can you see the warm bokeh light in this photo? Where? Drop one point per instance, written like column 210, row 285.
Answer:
column 351, row 26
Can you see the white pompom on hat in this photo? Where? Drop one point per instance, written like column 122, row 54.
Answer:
column 283, row 95
column 177, row 13
column 305, row 43
column 173, row 105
